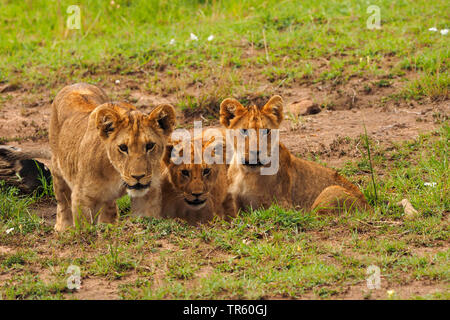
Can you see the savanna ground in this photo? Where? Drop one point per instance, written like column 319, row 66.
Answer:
column 393, row 82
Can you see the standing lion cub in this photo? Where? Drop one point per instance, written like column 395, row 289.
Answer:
column 296, row 182
column 100, row 149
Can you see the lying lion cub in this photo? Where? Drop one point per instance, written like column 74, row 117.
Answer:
column 196, row 192
column 100, row 149
column 296, row 183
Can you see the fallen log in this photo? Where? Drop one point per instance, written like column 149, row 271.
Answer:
column 20, row 169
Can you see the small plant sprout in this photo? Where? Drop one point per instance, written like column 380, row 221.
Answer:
column 367, row 145
column 390, row 293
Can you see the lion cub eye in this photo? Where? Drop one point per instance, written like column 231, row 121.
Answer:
column 123, row 148
column 206, row 171
column 149, row 146
column 185, row 173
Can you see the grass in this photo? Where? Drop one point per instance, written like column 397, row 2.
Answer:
column 133, row 40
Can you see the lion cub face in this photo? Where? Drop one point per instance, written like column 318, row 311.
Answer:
column 254, row 124
column 135, row 142
column 193, row 182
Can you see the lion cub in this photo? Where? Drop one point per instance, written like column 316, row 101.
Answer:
column 196, row 192
column 100, row 149
column 296, row 182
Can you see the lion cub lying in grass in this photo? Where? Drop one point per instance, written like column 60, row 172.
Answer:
column 194, row 192
column 296, row 183
column 101, row 149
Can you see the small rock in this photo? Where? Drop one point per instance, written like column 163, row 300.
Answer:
column 410, row 212
column 303, row 108
column 142, row 100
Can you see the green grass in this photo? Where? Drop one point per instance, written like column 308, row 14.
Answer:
column 36, row 48
column 15, row 213
column 31, row 287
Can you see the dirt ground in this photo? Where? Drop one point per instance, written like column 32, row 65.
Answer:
column 342, row 113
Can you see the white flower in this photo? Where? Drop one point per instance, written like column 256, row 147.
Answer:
column 210, row 38
column 194, row 37
column 117, row 81
column 444, row 32
column 432, row 29
column 172, row 41
column 8, row 231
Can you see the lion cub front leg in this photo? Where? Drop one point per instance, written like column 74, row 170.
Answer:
column 149, row 205
column 63, row 208
column 85, row 208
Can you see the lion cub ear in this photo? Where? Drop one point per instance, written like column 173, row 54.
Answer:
column 106, row 120
column 229, row 109
column 163, row 117
column 274, row 109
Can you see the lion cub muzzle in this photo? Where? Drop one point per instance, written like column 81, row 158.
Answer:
column 196, row 201
column 139, row 184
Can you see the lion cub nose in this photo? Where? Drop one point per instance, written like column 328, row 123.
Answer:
column 197, row 194
column 137, row 177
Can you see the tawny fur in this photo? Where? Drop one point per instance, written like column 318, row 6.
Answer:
column 89, row 169
column 297, row 183
column 189, row 182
